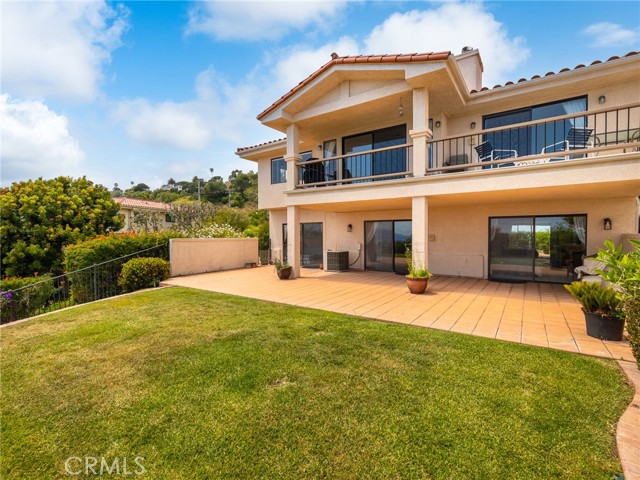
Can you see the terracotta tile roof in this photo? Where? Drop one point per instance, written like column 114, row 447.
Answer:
column 141, row 203
column 549, row 74
column 335, row 60
column 242, row 149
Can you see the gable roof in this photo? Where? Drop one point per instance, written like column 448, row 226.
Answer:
column 127, row 202
column 357, row 59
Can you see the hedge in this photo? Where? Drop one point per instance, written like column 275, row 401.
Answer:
column 17, row 302
column 140, row 273
column 109, row 247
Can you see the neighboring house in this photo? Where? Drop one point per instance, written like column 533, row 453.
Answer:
column 517, row 182
column 142, row 215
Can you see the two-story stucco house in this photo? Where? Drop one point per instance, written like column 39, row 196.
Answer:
column 517, row 182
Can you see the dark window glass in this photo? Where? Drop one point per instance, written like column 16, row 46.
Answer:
column 278, row 170
column 522, row 141
column 378, row 163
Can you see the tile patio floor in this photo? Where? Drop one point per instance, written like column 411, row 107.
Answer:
column 531, row 313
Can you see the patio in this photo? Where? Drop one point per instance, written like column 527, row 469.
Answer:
column 533, row 313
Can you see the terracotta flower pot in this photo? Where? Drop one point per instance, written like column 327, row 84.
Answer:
column 604, row 327
column 417, row 285
column 284, row 273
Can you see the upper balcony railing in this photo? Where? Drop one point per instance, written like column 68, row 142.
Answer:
column 365, row 166
column 575, row 136
column 583, row 135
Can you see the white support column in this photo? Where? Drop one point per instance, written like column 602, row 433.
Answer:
column 293, row 155
column 420, row 230
column 293, row 239
column 420, row 132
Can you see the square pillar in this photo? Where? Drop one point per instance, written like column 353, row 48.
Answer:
column 293, row 239
column 420, row 230
column 292, row 156
column 420, row 132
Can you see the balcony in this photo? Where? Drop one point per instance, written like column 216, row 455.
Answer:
column 586, row 135
column 581, row 136
column 360, row 167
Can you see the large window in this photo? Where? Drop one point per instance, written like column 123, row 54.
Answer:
column 531, row 140
column 379, row 163
column 543, row 248
column 278, row 170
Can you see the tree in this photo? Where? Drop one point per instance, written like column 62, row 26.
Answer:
column 39, row 217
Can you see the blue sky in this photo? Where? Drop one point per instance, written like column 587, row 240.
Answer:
column 143, row 91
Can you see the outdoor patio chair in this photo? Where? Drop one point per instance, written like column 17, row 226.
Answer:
column 487, row 153
column 576, row 139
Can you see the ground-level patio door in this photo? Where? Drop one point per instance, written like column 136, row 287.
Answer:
column 536, row 248
column 311, row 245
column 385, row 245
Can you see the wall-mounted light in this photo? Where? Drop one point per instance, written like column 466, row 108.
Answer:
column 438, row 124
column 607, row 223
column 602, row 99
column 349, row 228
column 400, row 109
column 319, row 148
column 473, row 125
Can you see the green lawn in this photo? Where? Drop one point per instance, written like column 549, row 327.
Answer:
column 204, row 385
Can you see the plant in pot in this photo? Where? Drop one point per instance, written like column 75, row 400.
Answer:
column 622, row 270
column 600, row 305
column 418, row 276
column 283, row 269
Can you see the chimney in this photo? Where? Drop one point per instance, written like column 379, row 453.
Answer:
column 470, row 65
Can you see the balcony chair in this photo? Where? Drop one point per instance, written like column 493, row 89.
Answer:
column 576, row 139
column 487, row 153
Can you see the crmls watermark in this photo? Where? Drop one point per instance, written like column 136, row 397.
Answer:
column 104, row 466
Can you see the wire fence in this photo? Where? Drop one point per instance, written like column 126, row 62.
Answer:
column 81, row 286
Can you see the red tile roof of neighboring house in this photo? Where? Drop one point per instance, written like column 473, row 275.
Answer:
column 141, row 203
column 242, row 149
column 548, row 74
column 335, row 60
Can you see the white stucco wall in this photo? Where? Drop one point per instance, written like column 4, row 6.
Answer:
column 199, row 255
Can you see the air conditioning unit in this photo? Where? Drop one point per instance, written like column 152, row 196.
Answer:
column 337, row 261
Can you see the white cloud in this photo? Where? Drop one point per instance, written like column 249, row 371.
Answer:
column 257, row 20
column 451, row 26
column 35, row 142
column 606, row 34
column 58, row 48
column 219, row 112
column 299, row 62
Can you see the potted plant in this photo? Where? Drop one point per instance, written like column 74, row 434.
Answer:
column 418, row 276
column 283, row 269
column 600, row 305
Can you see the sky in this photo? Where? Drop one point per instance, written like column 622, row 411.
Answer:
column 145, row 91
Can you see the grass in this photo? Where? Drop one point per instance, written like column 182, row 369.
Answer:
column 204, row 385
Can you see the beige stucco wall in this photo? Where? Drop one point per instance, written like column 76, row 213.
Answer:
column 198, row 255
column 459, row 234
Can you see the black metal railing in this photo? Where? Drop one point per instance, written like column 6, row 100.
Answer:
column 81, row 286
column 580, row 135
column 368, row 166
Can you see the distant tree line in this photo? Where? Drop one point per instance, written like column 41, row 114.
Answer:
column 240, row 190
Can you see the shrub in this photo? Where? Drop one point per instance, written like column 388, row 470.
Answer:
column 140, row 273
column 216, row 230
column 101, row 283
column 109, row 247
column 623, row 271
column 18, row 302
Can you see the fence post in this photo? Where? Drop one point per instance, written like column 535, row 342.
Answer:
column 95, row 282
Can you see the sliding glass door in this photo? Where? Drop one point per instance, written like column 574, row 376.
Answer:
column 311, row 243
column 385, row 245
column 542, row 248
